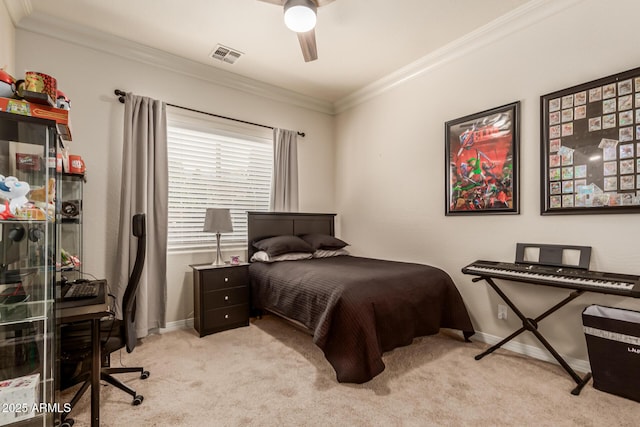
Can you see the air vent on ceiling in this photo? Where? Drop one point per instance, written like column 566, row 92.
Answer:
column 225, row 54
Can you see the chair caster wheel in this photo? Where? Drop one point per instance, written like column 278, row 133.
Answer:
column 67, row 423
column 144, row 375
column 137, row 400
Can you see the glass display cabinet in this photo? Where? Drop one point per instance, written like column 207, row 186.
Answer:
column 27, row 270
column 70, row 225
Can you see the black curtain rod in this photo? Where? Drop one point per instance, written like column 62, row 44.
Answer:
column 120, row 94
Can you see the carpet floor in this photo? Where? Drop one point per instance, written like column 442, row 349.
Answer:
column 271, row 373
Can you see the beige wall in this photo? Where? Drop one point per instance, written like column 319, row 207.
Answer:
column 7, row 40
column 390, row 166
column 89, row 77
column 385, row 175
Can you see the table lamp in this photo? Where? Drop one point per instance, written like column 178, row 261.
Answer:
column 218, row 221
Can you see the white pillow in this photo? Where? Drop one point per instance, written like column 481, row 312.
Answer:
column 326, row 253
column 262, row 256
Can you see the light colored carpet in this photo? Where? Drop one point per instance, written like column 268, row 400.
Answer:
column 270, row 374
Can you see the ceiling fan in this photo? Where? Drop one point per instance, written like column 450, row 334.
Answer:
column 300, row 17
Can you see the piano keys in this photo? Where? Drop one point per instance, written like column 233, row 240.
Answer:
column 563, row 277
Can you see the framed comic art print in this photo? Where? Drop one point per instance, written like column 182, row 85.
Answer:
column 590, row 147
column 482, row 162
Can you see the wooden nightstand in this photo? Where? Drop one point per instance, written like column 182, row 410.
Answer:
column 220, row 297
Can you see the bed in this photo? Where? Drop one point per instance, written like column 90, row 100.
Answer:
column 355, row 308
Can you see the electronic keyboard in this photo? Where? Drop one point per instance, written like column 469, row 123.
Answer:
column 563, row 277
column 81, row 290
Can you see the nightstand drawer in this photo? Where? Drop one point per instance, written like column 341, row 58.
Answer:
column 226, row 318
column 228, row 277
column 226, row 297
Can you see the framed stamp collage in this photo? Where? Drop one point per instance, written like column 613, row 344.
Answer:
column 590, row 147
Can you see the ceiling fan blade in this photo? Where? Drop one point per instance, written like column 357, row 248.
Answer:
column 278, row 2
column 308, row 45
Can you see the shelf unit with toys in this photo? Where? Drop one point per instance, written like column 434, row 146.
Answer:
column 28, row 252
column 70, row 193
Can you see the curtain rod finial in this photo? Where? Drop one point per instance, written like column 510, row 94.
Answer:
column 120, row 94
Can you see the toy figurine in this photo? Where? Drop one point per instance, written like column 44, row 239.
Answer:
column 68, row 260
column 62, row 101
column 7, row 85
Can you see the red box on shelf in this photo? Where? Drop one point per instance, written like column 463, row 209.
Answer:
column 25, row 108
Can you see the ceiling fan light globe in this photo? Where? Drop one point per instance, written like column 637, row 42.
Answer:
column 300, row 15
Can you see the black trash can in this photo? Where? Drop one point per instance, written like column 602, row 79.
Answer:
column 613, row 343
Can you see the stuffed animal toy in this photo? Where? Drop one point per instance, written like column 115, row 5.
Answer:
column 15, row 192
column 41, row 202
column 46, row 193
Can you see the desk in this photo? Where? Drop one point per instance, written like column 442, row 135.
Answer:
column 92, row 310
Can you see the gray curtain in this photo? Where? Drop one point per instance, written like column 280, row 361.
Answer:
column 284, row 183
column 144, row 190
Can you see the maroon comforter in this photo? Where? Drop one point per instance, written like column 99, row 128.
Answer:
column 358, row 308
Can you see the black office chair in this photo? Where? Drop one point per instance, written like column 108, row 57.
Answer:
column 114, row 334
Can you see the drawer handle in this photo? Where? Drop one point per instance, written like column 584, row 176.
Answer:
column 226, row 316
column 226, row 279
column 226, row 297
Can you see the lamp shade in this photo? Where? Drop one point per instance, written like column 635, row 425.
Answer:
column 218, row 220
column 300, row 15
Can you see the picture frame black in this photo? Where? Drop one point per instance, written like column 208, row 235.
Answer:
column 589, row 148
column 482, row 162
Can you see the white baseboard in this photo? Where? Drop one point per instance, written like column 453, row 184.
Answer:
column 531, row 351
column 178, row 324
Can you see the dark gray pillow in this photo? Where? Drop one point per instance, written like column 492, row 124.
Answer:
column 323, row 241
column 279, row 245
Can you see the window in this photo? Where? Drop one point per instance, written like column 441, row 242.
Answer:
column 214, row 164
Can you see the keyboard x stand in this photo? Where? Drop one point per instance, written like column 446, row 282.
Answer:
column 531, row 325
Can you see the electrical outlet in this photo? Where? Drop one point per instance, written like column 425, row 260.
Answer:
column 502, row 312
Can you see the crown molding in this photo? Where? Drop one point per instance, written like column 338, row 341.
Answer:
column 521, row 17
column 23, row 16
column 18, row 9
column 97, row 40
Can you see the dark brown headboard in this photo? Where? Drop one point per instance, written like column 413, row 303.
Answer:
column 269, row 224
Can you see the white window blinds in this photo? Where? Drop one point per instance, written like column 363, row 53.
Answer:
column 218, row 165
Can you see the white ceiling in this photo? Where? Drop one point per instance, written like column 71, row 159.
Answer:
column 359, row 41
